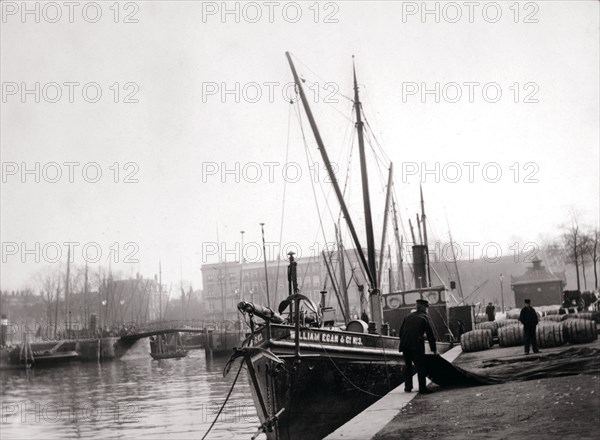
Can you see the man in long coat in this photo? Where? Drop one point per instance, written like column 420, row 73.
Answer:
column 529, row 319
column 412, row 345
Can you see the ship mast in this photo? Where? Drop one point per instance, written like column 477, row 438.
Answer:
column 330, row 172
column 385, row 221
column 343, row 286
column 399, row 243
column 370, row 269
column 374, row 294
column 424, row 220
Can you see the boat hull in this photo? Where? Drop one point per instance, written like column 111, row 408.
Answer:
column 319, row 394
column 335, row 376
column 172, row 355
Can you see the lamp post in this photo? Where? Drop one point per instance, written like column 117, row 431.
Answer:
column 102, row 304
column 122, row 302
column 501, row 277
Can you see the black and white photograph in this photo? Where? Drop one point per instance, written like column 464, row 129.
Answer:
column 300, row 220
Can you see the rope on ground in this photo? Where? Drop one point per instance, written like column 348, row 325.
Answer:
column 224, row 403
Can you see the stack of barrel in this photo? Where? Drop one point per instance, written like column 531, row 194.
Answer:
column 552, row 331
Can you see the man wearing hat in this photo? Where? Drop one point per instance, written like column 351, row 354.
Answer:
column 529, row 319
column 412, row 345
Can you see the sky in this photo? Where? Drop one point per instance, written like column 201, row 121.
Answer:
column 173, row 120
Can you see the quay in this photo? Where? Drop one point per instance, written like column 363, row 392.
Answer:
column 557, row 406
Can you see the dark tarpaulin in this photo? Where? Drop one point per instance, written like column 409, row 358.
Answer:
column 575, row 360
column 445, row 374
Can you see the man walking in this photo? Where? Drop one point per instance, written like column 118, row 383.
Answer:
column 490, row 311
column 412, row 345
column 529, row 319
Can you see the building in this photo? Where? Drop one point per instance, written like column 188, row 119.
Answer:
column 539, row 284
column 223, row 288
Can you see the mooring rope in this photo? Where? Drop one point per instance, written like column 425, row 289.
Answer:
column 224, row 403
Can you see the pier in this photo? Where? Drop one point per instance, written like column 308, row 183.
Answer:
column 566, row 403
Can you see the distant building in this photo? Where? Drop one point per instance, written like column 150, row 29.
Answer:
column 539, row 284
column 221, row 284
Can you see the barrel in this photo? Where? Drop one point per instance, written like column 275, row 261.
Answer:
column 488, row 325
column 553, row 318
column 577, row 331
column 510, row 335
column 583, row 315
column 505, row 322
column 476, row 340
column 481, row 318
column 549, row 334
column 513, row 314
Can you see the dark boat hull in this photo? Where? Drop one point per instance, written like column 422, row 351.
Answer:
column 320, row 394
column 172, row 355
column 335, row 377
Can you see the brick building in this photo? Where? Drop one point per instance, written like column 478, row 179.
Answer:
column 539, row 284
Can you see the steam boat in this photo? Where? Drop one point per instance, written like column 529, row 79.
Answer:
column 307, row 376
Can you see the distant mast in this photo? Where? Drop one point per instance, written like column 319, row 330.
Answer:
column 425, row 243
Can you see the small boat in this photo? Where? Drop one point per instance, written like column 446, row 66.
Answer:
column 161, row 350
column 169, row 355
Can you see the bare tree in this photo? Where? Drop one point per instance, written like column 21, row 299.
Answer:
column 571, row 239
column 592, row 250
column 48, row 283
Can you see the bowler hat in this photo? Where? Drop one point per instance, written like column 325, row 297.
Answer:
column 527, row 301
column 423, row 302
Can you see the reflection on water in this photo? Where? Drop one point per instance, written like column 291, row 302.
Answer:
column 136, row 398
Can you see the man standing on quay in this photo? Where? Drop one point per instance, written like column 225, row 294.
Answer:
column 490, row 311
column 529, row 319
column 412, row 345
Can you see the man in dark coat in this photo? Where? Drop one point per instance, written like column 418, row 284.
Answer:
column 412, row 345
column 529, row 319
column 490, row 311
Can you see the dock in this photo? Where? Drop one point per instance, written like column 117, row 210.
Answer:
column 563, row 405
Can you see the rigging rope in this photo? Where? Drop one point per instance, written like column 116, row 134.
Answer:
column 287, row 151
column 225, row 402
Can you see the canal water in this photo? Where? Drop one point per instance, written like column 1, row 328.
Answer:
column 134, row 398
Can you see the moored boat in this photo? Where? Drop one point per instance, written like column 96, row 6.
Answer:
column 307, row 379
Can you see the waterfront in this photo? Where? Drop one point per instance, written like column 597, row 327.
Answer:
column 132, row 398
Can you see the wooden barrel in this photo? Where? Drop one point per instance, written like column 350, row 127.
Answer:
column 476, row 340
column 513, row 314
column 553, row 318
column 510, row 335
column 583, row 315
column 505, row 322
column 488, row 325
column 549, row 334
column 481, row 318
column 577, row 331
